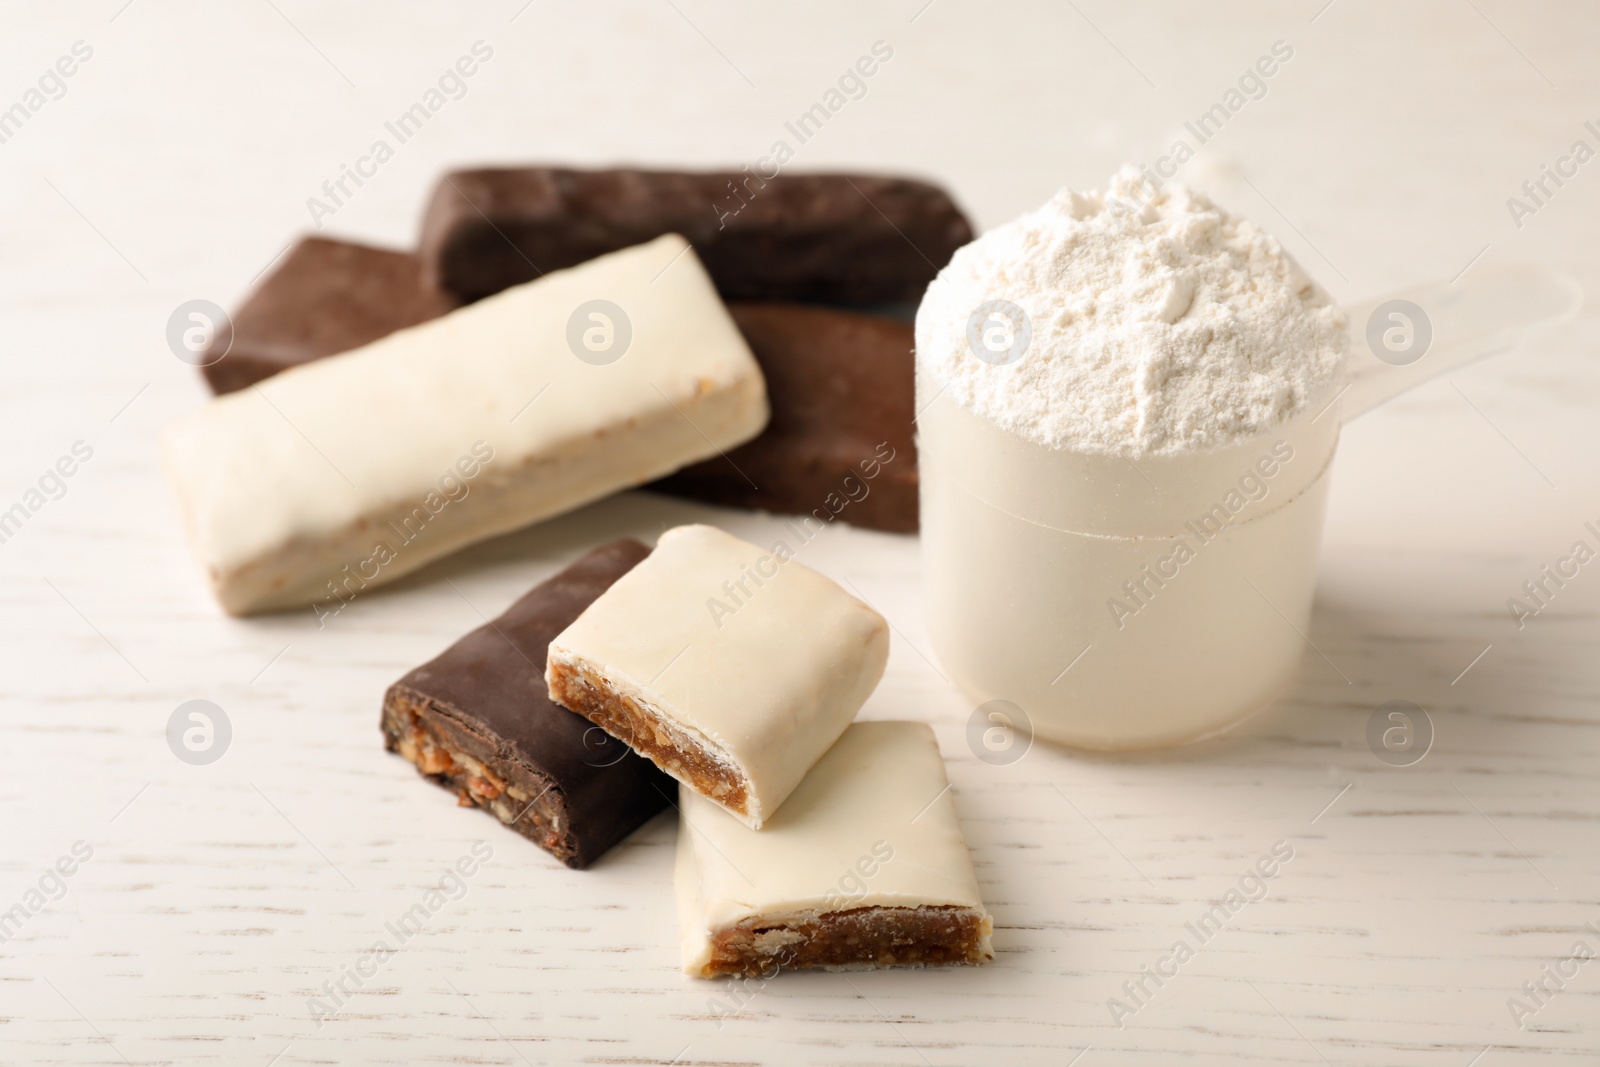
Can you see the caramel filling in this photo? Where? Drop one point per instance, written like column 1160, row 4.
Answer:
column 935, row 935
column 407, row 729
column 648, row 733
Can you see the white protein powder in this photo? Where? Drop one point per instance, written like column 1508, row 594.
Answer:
column 1159, row 324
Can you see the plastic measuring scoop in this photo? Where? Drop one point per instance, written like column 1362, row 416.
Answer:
column 1113, row 604
column 1484, row 313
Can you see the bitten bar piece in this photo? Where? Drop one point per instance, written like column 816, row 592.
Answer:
column 477, row 720
column 326, row 297
column 864, row 866
column 840, row 441
column 851, row 239
column 350, row 471
column 731, row 667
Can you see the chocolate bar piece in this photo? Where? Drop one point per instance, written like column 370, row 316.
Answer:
column 839, row 238
column 732, row 667
column 840, row 443
column 325, row 297
column 864, row 866
column 333, row 477
column 477, row 721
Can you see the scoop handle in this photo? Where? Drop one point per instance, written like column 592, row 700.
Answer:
column 1400, row 341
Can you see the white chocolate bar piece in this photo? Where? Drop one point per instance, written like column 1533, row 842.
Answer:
column 864, row 866
column 731, row 667
column 351, row 471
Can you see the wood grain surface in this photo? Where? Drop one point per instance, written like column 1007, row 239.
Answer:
column 217, row 902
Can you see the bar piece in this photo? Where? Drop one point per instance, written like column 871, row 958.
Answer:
column 840, row 443
column 864, row 867
column 333, row 477
column 476, row 720
column 731, row 667
column 840, row 238
column 326, row 297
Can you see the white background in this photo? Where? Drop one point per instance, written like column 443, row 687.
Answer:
column 178, row 165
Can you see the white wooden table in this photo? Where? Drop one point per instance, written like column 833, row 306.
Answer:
column 218, row 899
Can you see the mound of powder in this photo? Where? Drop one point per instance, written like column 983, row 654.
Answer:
column 1156, row 323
